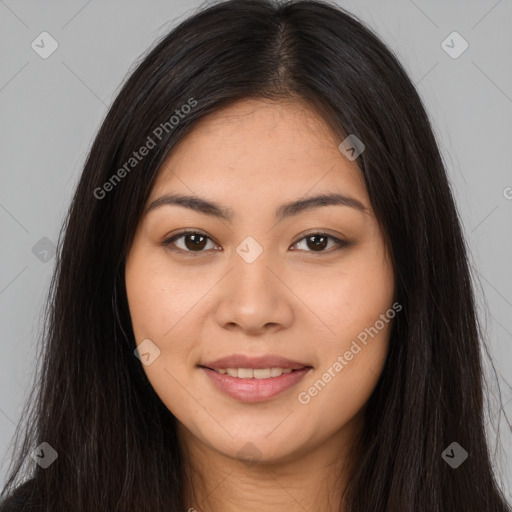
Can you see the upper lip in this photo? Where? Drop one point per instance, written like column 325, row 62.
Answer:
column 243, row 361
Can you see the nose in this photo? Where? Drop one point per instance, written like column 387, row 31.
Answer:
column 254, row 298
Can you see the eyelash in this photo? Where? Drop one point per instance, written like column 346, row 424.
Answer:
column 342, row 244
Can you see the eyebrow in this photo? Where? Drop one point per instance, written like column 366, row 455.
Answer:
column 289, row 209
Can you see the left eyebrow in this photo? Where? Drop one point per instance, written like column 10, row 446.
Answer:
column 296, row 207
column 289, row 209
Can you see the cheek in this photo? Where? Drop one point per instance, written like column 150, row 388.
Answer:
column 158, row 298
column 350, row 302
column 351, row 364
column 354, row 295
column 160, row 314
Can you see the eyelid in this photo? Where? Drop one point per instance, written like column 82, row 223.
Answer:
column 167, row 242
column 341, row 242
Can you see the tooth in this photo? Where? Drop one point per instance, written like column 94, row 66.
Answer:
column 245, row 373
column 249, row 373
column 261, row 373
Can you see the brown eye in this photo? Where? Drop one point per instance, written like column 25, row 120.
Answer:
column 196, row 242
column 317, row 242
column 192, row 241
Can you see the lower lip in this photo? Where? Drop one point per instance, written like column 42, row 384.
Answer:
column 254, row 390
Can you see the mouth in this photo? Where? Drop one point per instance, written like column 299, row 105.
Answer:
column 256, row 373
column 254, row 379
column 246, row 362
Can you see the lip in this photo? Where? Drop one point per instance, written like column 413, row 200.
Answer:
column 244, row 361
column 254, row 390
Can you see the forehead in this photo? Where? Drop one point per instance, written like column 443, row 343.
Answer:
column 262, row 150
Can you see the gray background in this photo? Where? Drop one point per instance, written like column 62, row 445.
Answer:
column 51, row 109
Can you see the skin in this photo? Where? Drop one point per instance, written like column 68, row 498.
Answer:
column 293, row 301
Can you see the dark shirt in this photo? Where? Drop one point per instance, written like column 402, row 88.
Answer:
column 22, row 499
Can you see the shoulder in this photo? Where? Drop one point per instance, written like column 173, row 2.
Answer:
column 23, row 499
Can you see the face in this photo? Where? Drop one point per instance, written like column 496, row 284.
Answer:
column 305, row 288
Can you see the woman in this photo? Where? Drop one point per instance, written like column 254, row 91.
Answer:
column 262, row 297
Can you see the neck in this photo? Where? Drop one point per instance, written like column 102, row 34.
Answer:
column 312, row 480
